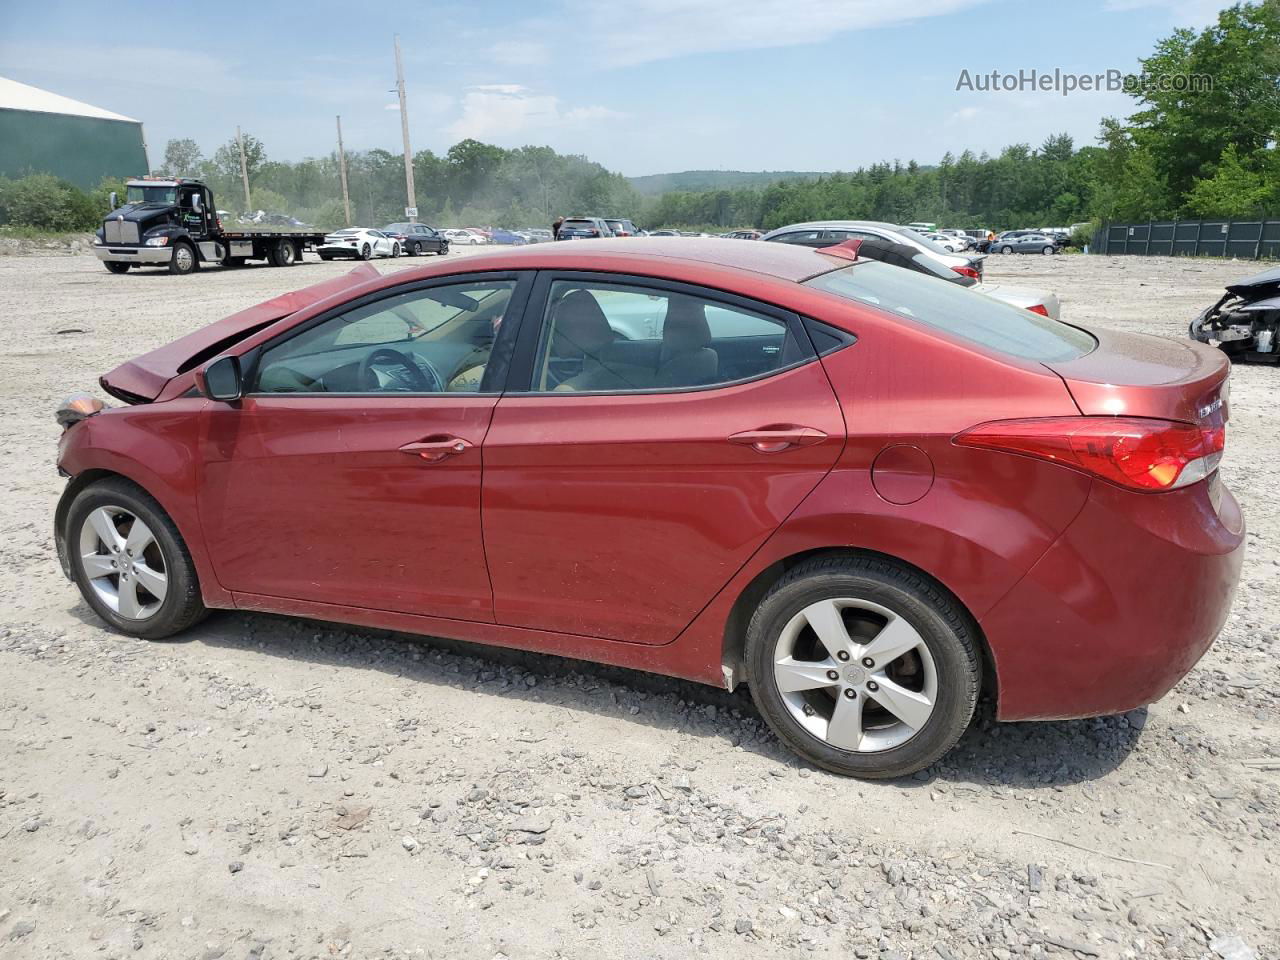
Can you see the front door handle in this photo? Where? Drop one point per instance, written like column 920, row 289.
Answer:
column 435, row 448
column 778, row 437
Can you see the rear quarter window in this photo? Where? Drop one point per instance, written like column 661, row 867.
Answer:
column 961, row 313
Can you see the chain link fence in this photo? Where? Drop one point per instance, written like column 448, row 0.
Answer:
column 1243, row 239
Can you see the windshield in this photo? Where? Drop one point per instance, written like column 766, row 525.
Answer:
column 137, row 194
column 963, row 313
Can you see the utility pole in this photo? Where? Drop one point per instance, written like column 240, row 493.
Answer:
column 244, row 173
column 342, row 167
column 412, row 203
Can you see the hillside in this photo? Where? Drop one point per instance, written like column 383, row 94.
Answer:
column 659, row 183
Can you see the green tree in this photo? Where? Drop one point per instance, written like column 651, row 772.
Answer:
column 182, row 158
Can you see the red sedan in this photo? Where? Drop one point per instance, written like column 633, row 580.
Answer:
column 871, row 495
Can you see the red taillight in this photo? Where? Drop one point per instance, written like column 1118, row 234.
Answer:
column 1039, row 308
column 968, row 272
column 1137, row 453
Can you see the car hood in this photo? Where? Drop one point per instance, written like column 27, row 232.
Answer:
column 1263, row 284
column 141, row 379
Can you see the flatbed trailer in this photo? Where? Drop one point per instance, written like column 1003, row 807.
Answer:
column 172, row 222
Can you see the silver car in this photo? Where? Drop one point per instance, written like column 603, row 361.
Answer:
column 1026, row 243
column 963, row 269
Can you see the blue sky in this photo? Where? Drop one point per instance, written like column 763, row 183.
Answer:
column 642, row 86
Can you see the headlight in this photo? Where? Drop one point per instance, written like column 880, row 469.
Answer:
column 158, row 242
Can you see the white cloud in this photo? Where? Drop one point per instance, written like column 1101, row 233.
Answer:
column 641, row 31
column 495, row 111
column 964, row 115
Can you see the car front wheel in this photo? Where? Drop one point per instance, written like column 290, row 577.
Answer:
column 366, row 252
column 130, row 562
column 863, row 667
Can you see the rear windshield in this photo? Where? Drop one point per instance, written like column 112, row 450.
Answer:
column 972, row 316
column 579, row 224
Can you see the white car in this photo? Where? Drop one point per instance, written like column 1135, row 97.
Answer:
column 949, row 243
column 968, row 268
column 359, row 243
column 466, row 238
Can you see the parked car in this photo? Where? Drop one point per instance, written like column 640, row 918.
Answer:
column 874, row 488
column 466, row 238
column 743, row 235
column 901, row 253
column 965, row 241
column 506, row 237
column 665, row 233
column 826, row 232
column 1245, row 322
column 417, row 238
column 583, row 228
column 946, row 242
column 622, row 228
column 538, row 234
column 358, row 243
column 1026, row 243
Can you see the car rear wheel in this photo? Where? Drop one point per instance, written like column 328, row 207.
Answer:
column 863, row 667
column 130, row 562
column 117, row 266
column 1047, row 250
column 1006, row 249
column 415, row 248
column 183, row 260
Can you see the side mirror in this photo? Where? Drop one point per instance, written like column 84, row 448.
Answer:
column 115, row 200
column 220, row 380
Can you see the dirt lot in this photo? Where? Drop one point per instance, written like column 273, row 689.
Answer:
column 270, row 788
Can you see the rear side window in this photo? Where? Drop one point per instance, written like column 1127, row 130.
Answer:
column 962, row 313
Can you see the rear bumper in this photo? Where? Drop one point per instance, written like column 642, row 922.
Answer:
column 1121, row 607
column 119, row 254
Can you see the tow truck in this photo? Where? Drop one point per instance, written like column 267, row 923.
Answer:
column 172, row 221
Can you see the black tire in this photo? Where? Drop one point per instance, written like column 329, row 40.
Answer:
column 443, row 250
column 117, row 266
column 395, row 251
column 415, row 249
column 283, row 253
column 366, row 252
column 184, row 260
column 182, row 605
column 1006, row 249
column 1047, row 251
column 947, row 630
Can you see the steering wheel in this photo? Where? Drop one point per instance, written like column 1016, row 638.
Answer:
column 416, row 379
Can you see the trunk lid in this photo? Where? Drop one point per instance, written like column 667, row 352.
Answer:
column 141, row 379
column 1138, row 375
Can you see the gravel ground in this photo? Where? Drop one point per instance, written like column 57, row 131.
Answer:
column 268, row 788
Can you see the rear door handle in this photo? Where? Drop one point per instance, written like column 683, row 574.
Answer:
column 776, row 438
column 433, row 449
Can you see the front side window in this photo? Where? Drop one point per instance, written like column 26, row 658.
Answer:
column 436, row 340
column 621, row 338
column 807, row 238
column 962, row 313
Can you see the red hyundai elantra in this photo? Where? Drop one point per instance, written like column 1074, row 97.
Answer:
column 870, row 494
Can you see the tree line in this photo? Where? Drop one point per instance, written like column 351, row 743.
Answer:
column 1209, row 152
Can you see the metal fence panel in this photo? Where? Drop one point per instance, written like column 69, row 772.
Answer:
column 1243, row 239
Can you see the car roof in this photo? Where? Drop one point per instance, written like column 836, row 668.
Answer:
column 658, row 255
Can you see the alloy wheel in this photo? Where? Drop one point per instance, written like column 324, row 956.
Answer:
column 855, row 675
column 123, row 562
